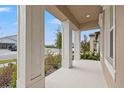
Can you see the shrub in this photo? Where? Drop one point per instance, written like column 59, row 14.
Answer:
column 5, row 77
column 57, row 61
column 90, row 56
column 14, row 77
column 8, row 76
column 52, row 63
column 46, row 68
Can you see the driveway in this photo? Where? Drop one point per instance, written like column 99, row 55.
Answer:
column 7, row 54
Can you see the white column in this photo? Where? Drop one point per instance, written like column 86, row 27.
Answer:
column 67, row 45
column 77, row 45
column 30, row 69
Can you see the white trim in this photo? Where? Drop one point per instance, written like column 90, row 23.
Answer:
column 110, row 69
column 114, row 42
column 112, row 28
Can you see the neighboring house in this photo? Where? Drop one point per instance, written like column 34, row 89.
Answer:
column 7, row 41
column 95, row 42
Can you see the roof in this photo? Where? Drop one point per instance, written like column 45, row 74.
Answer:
column 92, row 34
column 95, row 33
column 9, row 39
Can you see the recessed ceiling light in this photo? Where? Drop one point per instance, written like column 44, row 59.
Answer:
column 88, row 16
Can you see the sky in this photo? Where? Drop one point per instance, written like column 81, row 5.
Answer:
column 8, row 24
column 8, row 20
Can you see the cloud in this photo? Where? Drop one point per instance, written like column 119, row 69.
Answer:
column 4, row 9
column 55, row 21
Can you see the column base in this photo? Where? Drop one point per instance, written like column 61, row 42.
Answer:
column 67, row 64
column 40, row 83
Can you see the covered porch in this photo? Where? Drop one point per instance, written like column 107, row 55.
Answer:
column 79, row 73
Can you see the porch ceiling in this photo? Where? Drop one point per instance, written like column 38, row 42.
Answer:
column 82, row 16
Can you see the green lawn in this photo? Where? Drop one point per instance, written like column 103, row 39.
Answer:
column 7, row 61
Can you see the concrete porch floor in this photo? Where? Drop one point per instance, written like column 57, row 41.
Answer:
column 84, row 74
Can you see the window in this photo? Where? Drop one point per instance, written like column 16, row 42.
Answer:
column 110, row 39
column 111, row 44
column 111, row 17
column 111, row 33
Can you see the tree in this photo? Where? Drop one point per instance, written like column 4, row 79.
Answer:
column 85, row 45
column 58, row 42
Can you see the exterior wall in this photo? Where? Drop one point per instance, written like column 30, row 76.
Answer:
column 120, row 46
column 108, row 77
column 9, row 39
column 95, row 42
column 92, row 38
column 108, row 70
column 6, row 45
column 98, row 44
column 101, row 24
column 119, row 58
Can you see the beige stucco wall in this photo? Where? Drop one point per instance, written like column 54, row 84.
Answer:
column 92, row 38
column 119, row 54
column 108, row 77
column 104, row 24
column 120, row 46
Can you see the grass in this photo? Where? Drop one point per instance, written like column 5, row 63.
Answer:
column 1, row 69
column 7, row 61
